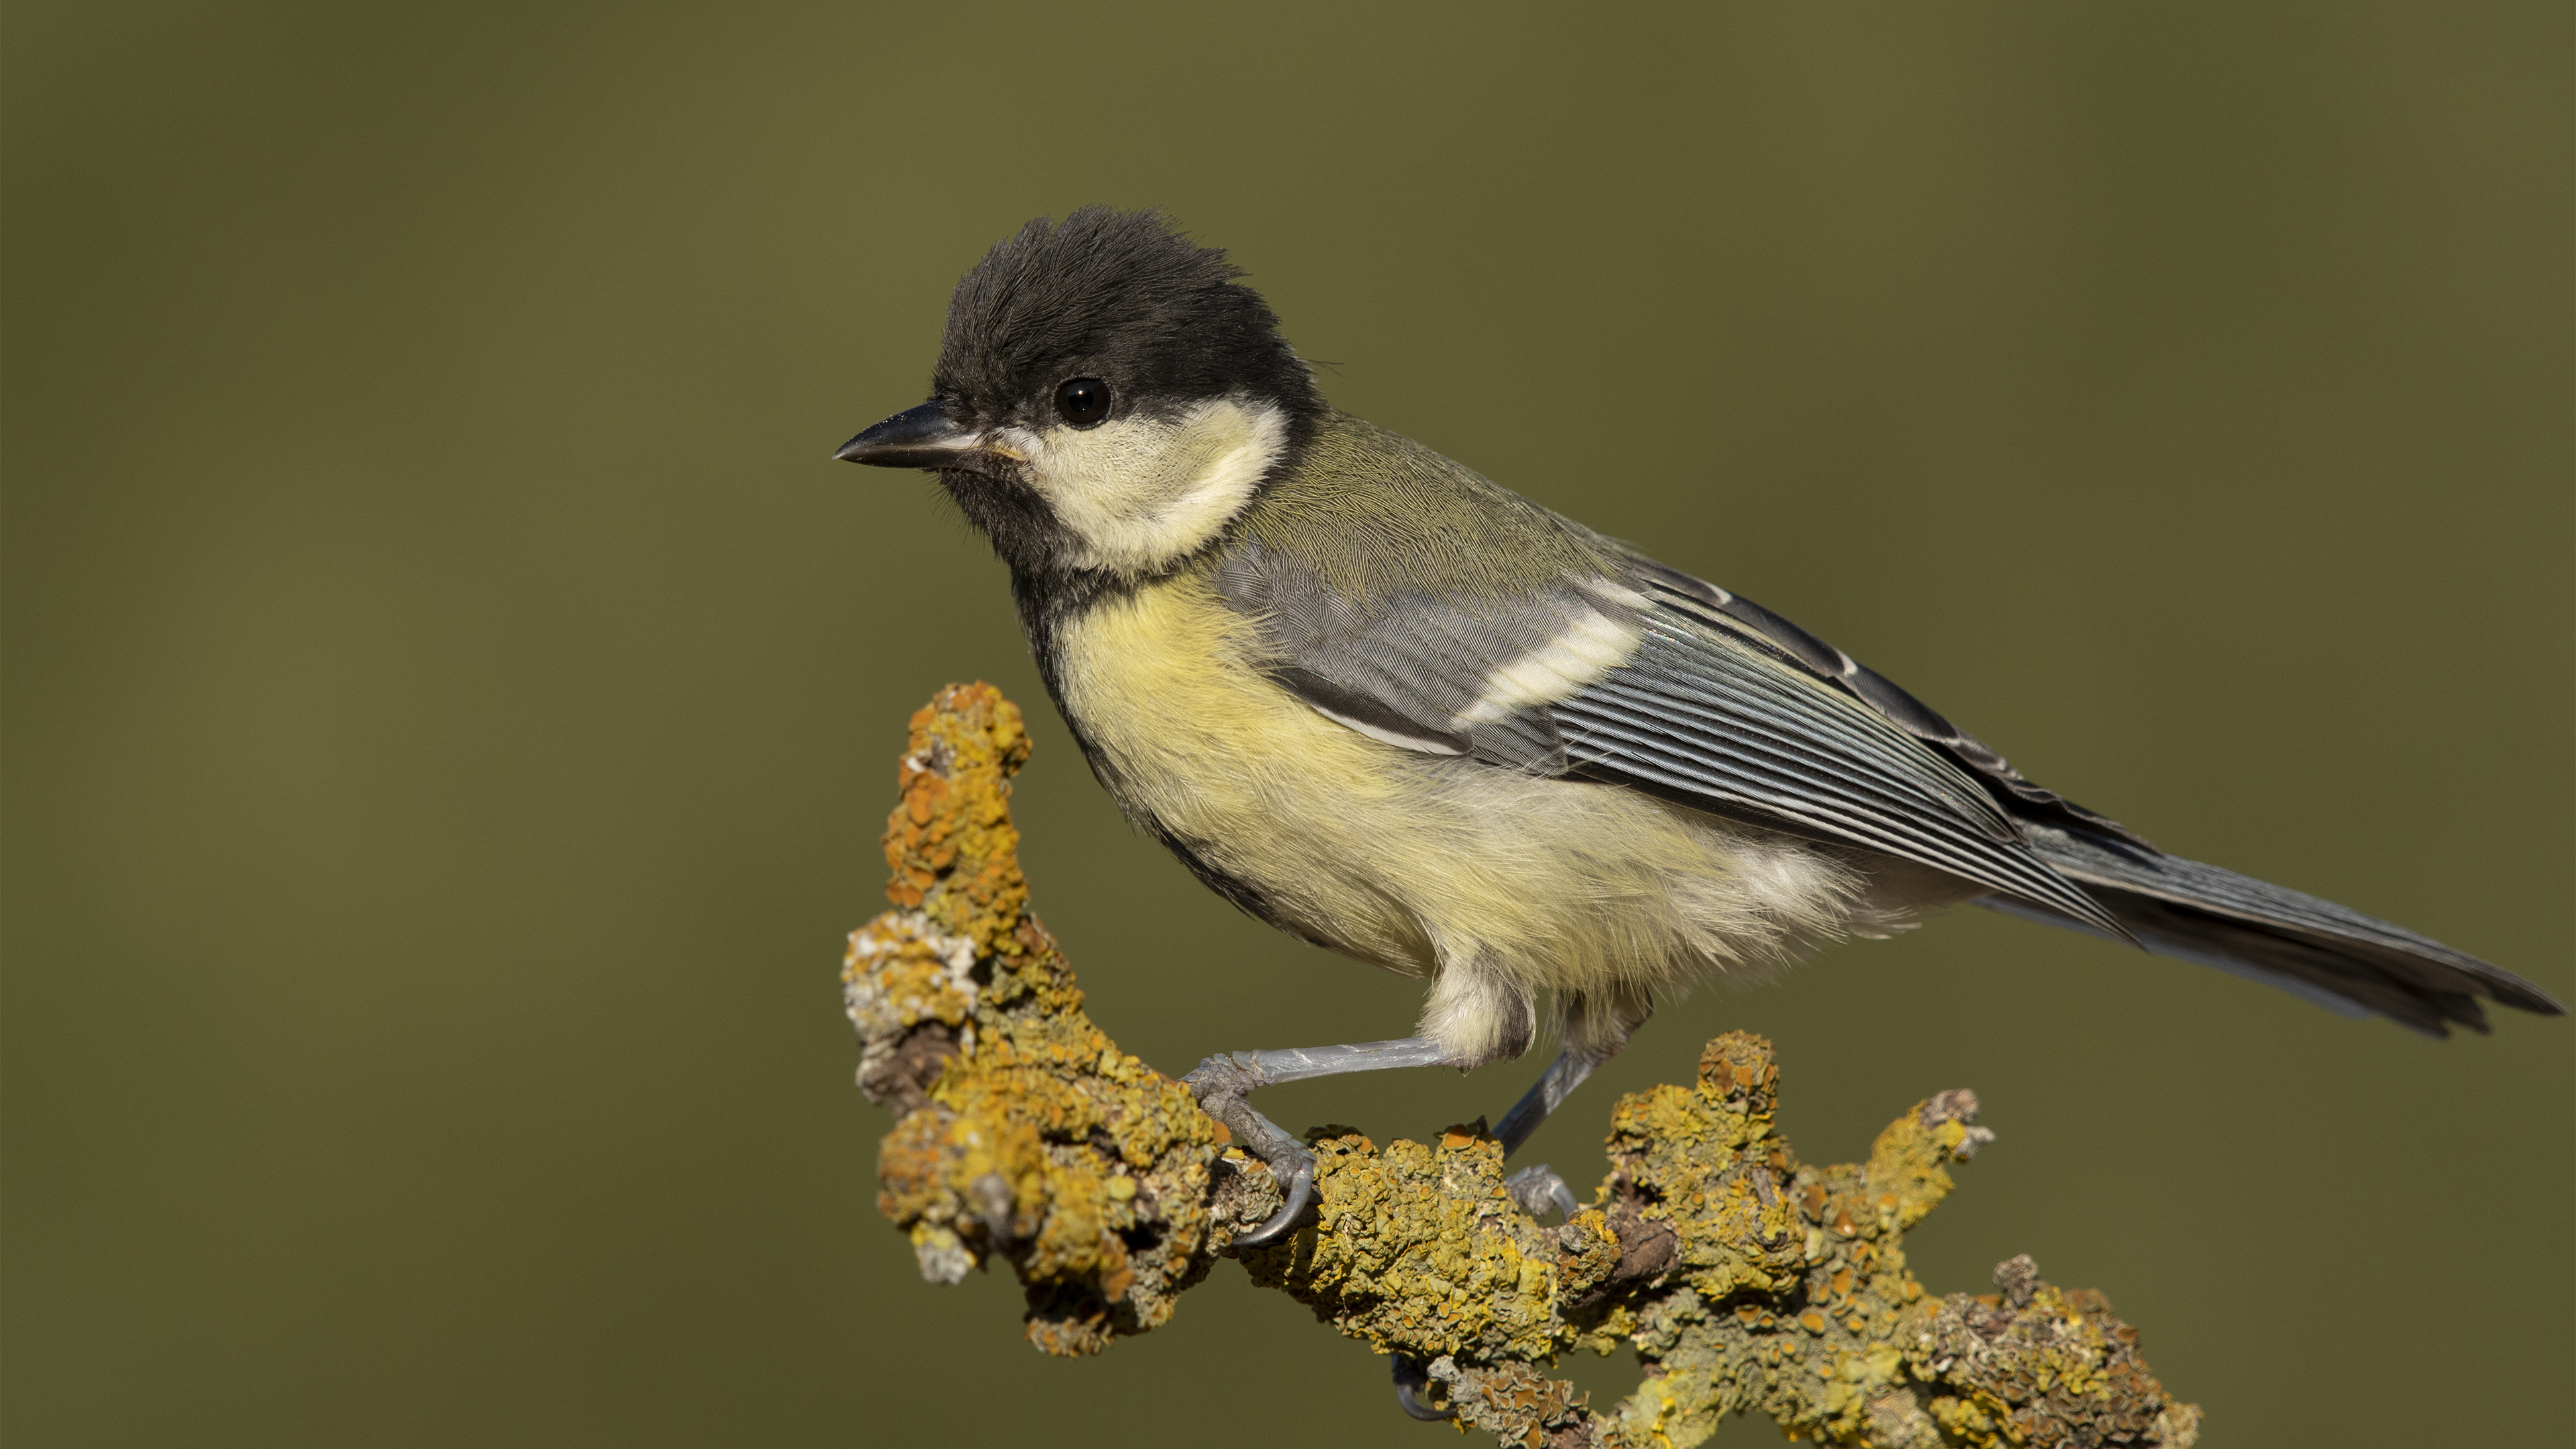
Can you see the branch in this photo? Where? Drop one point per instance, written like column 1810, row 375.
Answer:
column 1745, row 1280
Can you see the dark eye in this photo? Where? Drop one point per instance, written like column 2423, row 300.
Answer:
column 1083, row 401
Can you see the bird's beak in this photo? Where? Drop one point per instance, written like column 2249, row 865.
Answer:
column 921, row 437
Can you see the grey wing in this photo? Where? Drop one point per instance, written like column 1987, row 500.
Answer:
column 1747, row 618
column 1630, row 678
column 2174, row 907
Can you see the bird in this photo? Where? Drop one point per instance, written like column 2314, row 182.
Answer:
column 1401, row 712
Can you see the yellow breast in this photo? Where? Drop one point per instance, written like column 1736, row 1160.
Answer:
column 1196, row 741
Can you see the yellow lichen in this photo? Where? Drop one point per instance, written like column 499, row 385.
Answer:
column 1026, row 1134
column 1420, row 1249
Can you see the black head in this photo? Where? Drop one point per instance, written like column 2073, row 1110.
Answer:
column 1107, row 395
column 1123, row 298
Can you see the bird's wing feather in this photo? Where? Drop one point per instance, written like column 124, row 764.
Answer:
column 1624, row 676
column 1725, row 610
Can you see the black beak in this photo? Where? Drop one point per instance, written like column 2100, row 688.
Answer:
column 920, row 437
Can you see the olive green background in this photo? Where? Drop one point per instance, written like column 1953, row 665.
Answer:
column 452, row 699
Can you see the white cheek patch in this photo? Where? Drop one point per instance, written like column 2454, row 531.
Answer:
column 1137, row 493
column 1590, row 646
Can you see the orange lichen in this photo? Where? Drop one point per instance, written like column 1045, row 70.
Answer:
column 1026, row 1135
column 1745, row 1280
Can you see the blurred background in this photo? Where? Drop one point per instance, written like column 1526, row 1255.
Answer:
column 452, row 699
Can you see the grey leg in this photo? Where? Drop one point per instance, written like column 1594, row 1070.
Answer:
column 1554, row 1085
column 1538, row 1188
column 1223, row 1080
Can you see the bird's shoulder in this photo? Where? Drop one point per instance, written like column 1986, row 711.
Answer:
column 1374, row 515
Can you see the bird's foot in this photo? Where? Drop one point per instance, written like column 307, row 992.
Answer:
column 1221, row 1082
column 1538, row 1188
column 1411, row 1383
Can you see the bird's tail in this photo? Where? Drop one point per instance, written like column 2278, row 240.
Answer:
column 2309, row 947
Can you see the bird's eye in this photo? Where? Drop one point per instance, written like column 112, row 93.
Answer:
column 1083, row 401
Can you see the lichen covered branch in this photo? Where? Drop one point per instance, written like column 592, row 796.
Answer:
column 1745, row 1280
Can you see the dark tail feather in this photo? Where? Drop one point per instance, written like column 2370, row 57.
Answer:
column 2306, row 946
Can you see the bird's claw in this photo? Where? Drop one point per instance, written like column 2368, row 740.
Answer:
column 1221, row 1082
column 1296, row 1179
column 1538, row 1188
column 1410, row 1381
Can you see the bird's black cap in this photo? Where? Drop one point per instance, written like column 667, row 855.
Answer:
column 1120, row 296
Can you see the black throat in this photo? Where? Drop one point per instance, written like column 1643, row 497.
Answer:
column 1022, row 527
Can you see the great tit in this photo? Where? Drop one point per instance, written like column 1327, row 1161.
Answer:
column 1403, row 713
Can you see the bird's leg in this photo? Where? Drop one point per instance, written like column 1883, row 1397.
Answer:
column 1223, row 1080
column 1538, row 1188
column 1544, row 1096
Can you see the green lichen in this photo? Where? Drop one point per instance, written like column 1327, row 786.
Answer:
column 1744, row 1280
